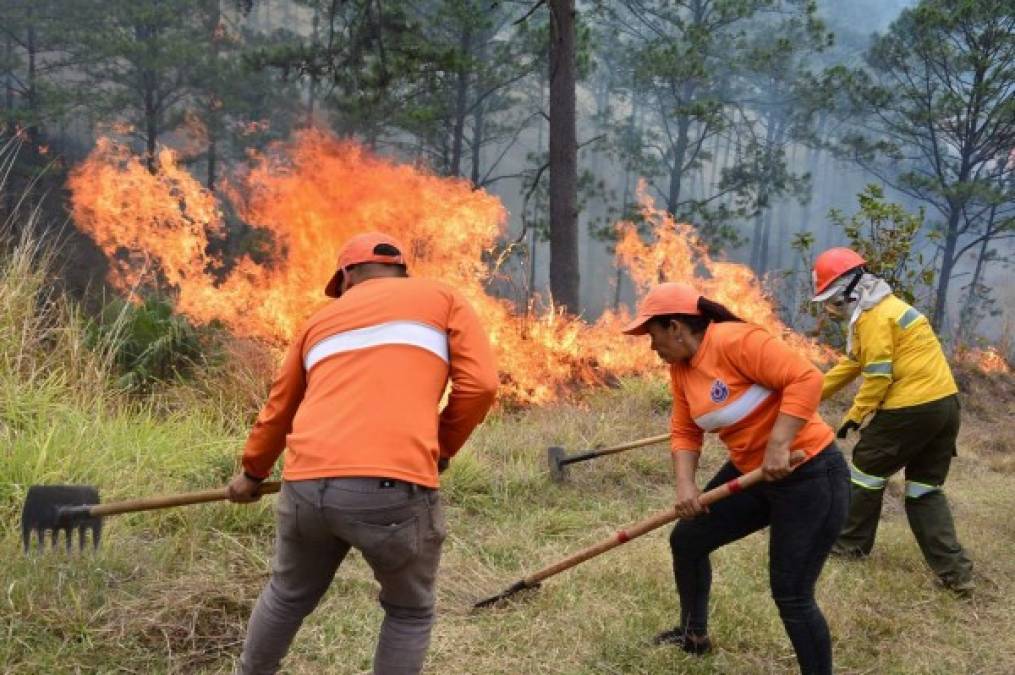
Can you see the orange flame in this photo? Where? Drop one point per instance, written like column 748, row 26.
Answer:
column 307, row 196
column 989, row 360
column 252, row 127
column 678, row 254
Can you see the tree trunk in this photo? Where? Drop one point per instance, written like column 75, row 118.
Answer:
column 947, row 266
column 151, row 131
column 10, row 202
column 805, row 212
column 533, row 238
column 727, row 156
column 8, row 76
column 478, row 119
column 766, row 236
column 30, row 48
column 762, row 220
column 713, row 169
column 565, row 277
column 830, row 169
column 312, row 86
column 214, row 105
column 782, row 241
column 531, row 286
column 212, row 160
column 619, row 279
column 759, row 226
column 461, row 104
column 967, row 313
column 677, row 168
column 477, row 143
column 32, row 121
column 625, row 204
column 145, row 35
column 776, row 139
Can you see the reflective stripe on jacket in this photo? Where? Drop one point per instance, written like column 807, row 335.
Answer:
column 900, row 358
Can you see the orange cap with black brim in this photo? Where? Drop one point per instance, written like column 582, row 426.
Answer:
column 667, row 298
column 363, row 248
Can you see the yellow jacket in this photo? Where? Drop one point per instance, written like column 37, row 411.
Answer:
column 900, row 358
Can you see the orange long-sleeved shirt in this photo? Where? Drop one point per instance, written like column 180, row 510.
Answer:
column 738, row 382
column 359, row 390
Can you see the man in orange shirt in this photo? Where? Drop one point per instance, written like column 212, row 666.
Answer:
column 356, row 404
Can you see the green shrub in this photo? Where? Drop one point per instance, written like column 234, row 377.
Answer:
column 148, row 343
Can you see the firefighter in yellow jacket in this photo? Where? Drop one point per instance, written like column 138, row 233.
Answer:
column 910, row 396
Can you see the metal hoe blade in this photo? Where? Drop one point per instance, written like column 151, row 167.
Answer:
column 558, row 470
column 510, row 591
column 56, row 508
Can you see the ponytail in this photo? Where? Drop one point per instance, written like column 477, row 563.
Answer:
column 715, row 311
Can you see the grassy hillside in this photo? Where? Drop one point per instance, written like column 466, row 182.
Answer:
column 170, row 591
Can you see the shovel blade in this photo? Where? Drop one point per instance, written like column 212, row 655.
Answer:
column 49, row 509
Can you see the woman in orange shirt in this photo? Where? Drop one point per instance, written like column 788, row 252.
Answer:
column 761, row 397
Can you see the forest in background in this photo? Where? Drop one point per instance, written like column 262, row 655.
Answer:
column 759, row 122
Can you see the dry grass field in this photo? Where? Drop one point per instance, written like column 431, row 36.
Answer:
column 170, row 591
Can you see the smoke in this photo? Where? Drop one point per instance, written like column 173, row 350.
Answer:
column 861, row 17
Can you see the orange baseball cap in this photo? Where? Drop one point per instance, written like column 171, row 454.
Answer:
column 668, row 298
column 371, row 247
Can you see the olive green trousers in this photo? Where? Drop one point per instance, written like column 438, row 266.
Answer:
column 919, row 440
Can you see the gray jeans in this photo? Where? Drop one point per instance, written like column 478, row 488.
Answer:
column 398, row 527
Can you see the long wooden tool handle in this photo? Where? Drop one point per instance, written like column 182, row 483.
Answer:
column 150, row 503
column 642, row 527
column 630, row 445
column 592, row 454
column 658, row 520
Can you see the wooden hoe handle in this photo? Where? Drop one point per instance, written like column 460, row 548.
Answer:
column 643, row 526
column 630, row 445
column 743, row 482
column 150, row 503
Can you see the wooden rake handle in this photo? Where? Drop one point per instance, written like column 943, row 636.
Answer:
column 165, row 502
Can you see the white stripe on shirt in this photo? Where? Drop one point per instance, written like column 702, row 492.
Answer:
column 392, row 333
column 735, row 411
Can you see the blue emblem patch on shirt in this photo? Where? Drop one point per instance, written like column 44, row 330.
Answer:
column 720, row 392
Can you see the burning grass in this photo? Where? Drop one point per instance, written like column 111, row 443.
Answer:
column 988, row 360
column 304, row 197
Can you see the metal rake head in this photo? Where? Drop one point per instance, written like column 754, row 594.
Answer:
column 56, row 508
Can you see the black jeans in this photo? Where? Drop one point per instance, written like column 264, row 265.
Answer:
column 806, row 511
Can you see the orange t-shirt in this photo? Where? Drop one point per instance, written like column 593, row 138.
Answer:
column 738, row 382
column 359, row 390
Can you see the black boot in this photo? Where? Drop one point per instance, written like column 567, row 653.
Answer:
column 689, row 642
